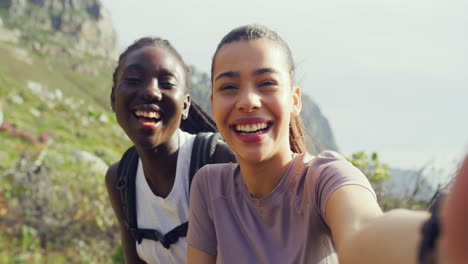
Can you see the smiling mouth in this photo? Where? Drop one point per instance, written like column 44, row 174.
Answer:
column 252, row 129
column 147, row 116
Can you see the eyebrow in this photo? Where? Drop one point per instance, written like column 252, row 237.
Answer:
column 264, row 70
column 139, row 67
column 229, row 74
column 232, row 74
column 133, row 67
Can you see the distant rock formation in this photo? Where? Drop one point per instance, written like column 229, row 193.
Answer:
column 317, row 125
column 81, row 25
column 410, row 184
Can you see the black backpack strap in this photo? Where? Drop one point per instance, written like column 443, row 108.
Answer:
column 166, row 240
column 204, row 146
column 203, row 150
column 126, row 187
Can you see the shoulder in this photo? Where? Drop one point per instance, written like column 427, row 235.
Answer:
column 215, row 180
column 329, row 170
column 216, row 172
column 329, row 156
column 128, row 242
column 328, row 161
column 112, row 176
column 112, row 179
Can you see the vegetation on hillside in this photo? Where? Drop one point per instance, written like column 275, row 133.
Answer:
column 58, row 136
column 378, row 174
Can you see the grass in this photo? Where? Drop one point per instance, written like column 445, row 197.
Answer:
column 71, row 125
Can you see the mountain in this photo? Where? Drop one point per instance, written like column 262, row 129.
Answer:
column 57, row 27
column 411, row 184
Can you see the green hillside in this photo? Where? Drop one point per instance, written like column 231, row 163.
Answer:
column 45, row 96
column 57, row 138
column 55, row 99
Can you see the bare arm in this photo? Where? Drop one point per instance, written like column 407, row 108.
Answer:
column 128, row 243
column 363, row 234
column 196, row 256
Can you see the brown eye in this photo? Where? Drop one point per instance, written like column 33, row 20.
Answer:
column 167, row 85
column 133, row 80
column 267, row 83
column 227, row 87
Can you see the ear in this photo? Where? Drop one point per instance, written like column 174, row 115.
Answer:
column 112, row 99
column 211, row 102
column 296, row 101
column 186, row 107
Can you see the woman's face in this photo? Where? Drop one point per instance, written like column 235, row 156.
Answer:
column 253, row 98
column 150, row 96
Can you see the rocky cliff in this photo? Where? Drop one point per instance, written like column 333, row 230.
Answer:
column 56, row 27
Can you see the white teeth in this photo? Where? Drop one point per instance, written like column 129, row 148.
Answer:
column 251, row 128
column 147, row 114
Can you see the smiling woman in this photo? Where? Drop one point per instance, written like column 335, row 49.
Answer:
column 151, row 84
column 254, row 78
column 279, row 204
column 151, row 100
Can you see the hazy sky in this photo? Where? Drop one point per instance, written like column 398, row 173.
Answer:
column 391, row 76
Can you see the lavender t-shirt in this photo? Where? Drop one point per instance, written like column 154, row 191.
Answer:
column 286, row 226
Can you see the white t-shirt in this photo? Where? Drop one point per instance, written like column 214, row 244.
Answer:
column 164, row 214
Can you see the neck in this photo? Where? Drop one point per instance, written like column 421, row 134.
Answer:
column 159, row 166
column 262, row 178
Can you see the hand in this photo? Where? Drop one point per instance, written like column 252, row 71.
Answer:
column 453, row 243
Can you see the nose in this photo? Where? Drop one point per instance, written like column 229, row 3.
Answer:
column 249, row 100
column 151, row 91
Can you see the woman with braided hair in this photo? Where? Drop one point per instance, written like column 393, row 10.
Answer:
column 151, row 101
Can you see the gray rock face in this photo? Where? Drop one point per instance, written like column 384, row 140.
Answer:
column 85, row 23
column 318, row 127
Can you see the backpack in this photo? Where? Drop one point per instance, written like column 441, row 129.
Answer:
column 204, row 146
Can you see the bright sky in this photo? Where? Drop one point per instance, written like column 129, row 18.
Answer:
column 391, row 76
